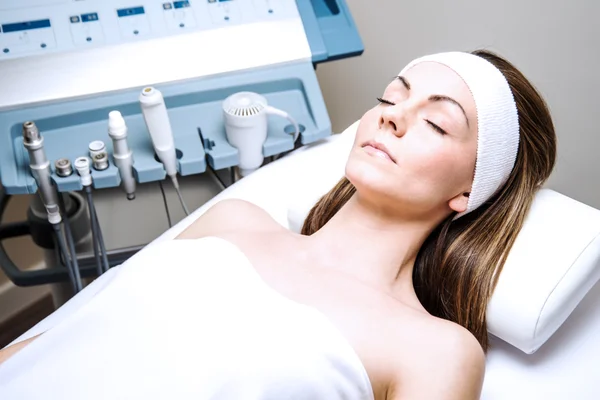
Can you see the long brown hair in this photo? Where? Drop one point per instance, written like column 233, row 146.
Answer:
column 458, row 265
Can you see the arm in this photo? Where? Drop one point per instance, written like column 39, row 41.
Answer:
column 454, row 370
column 9, row 351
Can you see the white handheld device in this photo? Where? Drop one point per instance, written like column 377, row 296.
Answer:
column 159, row 127
column 246, row 123
column 117, row 130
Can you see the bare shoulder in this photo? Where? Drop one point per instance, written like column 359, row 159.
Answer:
column 231, row 215
column 463, row 357
column 450, row 366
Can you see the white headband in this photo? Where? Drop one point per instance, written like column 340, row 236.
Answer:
column 497, row 122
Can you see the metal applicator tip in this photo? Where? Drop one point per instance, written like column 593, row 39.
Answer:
column 30, row 132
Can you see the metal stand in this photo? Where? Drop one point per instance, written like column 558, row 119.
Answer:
column 42, row 235
column 55, row 272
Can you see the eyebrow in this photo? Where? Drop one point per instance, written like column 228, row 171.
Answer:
column 440, row 97
column 404, row 82
column 437, row 97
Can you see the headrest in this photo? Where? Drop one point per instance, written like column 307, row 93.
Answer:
column 551, row 267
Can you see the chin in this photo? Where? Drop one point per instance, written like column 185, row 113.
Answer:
column 369, row 175
column 383, row 184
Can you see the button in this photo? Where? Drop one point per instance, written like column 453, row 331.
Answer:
column 75, row 19
column 181, row 4
column 167, row 6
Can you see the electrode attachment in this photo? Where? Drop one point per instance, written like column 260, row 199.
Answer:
column 122, row 154
column 82, row 165
column 100, row 161
column 63, row 167
column 40, row 170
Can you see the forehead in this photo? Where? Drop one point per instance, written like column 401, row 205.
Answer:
column 432, row 78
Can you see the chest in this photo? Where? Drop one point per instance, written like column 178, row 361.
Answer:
column 375, row 327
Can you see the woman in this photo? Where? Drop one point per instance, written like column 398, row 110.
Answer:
column 390, row 277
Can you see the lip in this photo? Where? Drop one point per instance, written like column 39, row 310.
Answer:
column 381, row 147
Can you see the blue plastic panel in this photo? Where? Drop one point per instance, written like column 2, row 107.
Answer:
column 330, row 29
column 196, row 118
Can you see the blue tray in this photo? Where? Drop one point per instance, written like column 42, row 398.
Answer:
column 196, row 116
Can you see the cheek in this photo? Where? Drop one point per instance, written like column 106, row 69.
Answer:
column 430, row 167
column 366, row 127
column 448, row 171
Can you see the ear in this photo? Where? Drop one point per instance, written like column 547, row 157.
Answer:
column 459, row 203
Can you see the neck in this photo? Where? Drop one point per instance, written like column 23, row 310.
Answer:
column 375, row 247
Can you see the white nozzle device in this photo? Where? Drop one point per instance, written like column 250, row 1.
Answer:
column 246, row 123
column 157, row 121
column 117, row 130
column 82, row 165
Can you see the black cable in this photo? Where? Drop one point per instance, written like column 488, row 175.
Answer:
column 103, row 253
column 232, row 175
column 58, row 255
column 63, row 249
column 64, row 255
column 164, row 196
column 95, row 245
column 70, row 242
column 63, row 261
column 96, row 226
column 217, row 177
column 74, row 263
column 279, row 156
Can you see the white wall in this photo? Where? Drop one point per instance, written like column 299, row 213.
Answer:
column 556, row 44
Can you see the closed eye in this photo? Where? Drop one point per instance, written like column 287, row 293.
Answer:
column 433, row 126
column 385, row 101
column 436, row 128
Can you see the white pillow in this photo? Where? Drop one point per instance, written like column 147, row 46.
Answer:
column 551, row 267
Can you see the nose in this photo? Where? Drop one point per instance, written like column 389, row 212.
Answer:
column 393, row 119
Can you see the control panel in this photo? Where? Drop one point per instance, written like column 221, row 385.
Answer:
column 65, row 64
column 32, row 27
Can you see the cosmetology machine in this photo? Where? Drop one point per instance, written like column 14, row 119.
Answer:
column 97, row 94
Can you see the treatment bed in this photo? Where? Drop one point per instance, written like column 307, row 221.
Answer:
column 544, row 318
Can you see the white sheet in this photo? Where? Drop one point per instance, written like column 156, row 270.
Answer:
column 566, row 367
column 223, row 338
